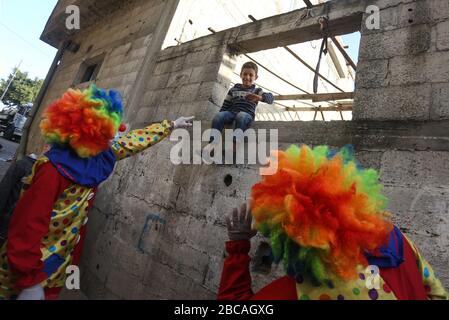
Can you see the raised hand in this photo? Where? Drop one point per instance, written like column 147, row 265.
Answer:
column 239, row 222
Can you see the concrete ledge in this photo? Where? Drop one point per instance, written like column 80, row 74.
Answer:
column 377, row 135
column 400, row 135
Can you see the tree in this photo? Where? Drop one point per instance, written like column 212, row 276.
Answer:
column 22, row 89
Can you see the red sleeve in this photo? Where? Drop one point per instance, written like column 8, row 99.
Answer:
column 30, row 223
column 235, row 281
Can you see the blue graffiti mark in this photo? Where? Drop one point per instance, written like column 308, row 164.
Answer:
column 152, row 221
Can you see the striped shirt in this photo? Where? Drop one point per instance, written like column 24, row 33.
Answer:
column 236, row 102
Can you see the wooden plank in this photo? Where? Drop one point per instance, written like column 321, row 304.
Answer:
column 299, row 26
column 344, row 53
column 342, row 108
column 316, row 97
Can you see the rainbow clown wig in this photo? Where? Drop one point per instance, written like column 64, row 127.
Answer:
column 84, row 121
column 322, row 212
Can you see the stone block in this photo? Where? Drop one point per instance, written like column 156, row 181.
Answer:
column 372, row 73
column 158, row 82
column 440, row 101
column 130, row 78
column 159, row 97
column 398, row 103
column 179, row 78
column 197, row 58
column 370, row 159
column 198, row 235
column 402, row 168
column 92, row 287
column 121, row 283
column 170, row 65
column 205, row 73
column 408, row 13
column 442, row 35
column 130, row 259
column 188, row 92
column 423, row 68
column 212, row 91
column 184, row 260
column 194, row 108
column 399, row 42
column 422, row 214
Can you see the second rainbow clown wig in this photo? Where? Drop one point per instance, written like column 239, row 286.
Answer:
column 86, row 121
column 322, row 213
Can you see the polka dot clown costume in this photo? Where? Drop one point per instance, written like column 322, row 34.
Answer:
column 325, row 218
column 47, row 228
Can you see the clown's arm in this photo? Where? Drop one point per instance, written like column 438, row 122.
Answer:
column 138, row 140
column 30, row 223
column 235, row 281
column 433, row 286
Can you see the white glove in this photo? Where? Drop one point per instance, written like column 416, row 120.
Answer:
column 182, row 122
column 32, row 293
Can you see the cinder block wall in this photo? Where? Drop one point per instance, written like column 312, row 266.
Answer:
column 162, row 234
column 403, row 67
column 403, row 74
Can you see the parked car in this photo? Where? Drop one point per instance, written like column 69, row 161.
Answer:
column 12, row 121
column 7, row 117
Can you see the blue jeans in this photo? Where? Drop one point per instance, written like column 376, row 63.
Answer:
column 242, row 120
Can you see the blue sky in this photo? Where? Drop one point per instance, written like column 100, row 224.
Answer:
column 353, row 41
column 21, row 24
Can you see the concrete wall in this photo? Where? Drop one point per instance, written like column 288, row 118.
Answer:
column 157, row 230
column 403, row 71
column 403, row 74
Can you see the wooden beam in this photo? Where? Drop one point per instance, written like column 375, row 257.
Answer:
column 299, row 26
column 344, row 53
column 324, row 109
column 302, row 61
column 317, row 97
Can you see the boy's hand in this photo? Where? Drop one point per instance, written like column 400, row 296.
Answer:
column 239, row 224
column 253, row 97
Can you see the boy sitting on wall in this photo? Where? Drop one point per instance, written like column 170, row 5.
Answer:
column 240, row 104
